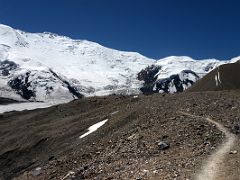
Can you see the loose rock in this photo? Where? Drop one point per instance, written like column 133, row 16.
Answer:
column 163, row 145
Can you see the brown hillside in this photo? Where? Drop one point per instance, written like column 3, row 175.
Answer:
column 45, row 144
column 225, row 77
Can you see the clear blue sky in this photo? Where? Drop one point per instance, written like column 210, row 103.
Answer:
column 154, row 28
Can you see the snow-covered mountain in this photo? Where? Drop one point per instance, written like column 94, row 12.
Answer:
column 172, row 84
column 45, row 66
column 88, row 67
column 176, row 73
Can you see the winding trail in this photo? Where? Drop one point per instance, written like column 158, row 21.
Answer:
column 211, row 169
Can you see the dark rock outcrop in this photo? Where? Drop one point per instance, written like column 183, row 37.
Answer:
column 22, row 85
column 6, row 66
column 149, row 76
column 174, row 83
column 31, row 85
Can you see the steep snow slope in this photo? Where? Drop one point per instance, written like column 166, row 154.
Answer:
column 45, row 66
column 92, row 68
column 174, row 65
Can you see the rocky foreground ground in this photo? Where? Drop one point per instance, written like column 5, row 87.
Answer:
column 45, row 143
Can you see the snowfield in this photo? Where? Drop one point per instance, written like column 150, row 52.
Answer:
column 26, row 106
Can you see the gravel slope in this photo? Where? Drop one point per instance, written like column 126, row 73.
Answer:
column 126, row 146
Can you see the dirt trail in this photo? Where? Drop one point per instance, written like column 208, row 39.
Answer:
column 215, row 164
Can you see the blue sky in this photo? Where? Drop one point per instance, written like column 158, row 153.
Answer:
column 154, row 28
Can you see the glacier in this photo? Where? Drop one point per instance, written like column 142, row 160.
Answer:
column 47, row 67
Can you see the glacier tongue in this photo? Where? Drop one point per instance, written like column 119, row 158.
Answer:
column 82, row 67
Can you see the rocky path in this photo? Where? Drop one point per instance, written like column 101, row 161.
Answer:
column 217, row 165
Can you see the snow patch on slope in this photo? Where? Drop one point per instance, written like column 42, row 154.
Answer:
column 217, row 78
column 93, row 128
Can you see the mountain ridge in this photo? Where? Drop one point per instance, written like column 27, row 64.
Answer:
column 89, row 67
